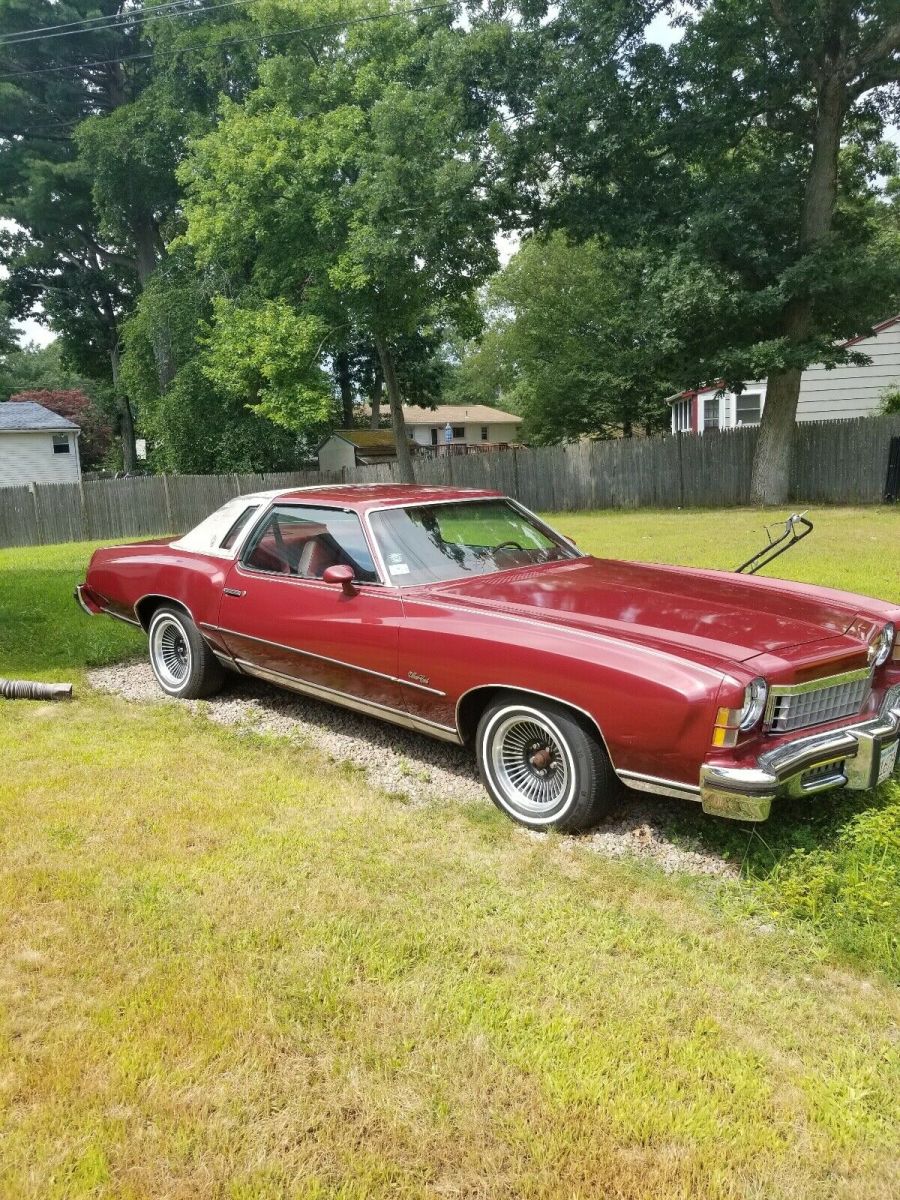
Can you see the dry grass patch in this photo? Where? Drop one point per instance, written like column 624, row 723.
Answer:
column 229, row 972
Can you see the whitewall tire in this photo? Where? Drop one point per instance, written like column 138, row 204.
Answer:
column 543, row 764
column 182, row 662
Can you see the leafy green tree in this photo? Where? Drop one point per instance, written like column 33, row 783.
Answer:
column 192, row 425
column 750, row 156
column 572, row 342
column 8, row 350
column 351, row 185
column 92, row 123
column 44, row 368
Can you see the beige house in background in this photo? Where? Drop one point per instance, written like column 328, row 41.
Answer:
column 453, row 427
column 36, row 445
column 469, row 424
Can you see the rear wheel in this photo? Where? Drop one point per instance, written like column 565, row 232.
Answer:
column 543, row 765
column 182, row 662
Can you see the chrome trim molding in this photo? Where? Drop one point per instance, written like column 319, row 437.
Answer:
column 659, row 787
column 380, row 588
column 166, row 599
column 524, row 691
column 118, row 617
column 337, row 662
column 368, row 707
column 81, row 601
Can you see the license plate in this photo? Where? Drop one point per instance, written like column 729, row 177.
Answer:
column 888, row 762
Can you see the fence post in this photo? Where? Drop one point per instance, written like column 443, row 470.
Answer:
column 38, row 526
column 678, row 437
column 83, row 507
column 170, row 528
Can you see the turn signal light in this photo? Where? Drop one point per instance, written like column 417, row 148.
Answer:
column 727, row 727
column 731, row 722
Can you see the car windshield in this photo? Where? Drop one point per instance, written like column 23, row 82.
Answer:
column 452, row 541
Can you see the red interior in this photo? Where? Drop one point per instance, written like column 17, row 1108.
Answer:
column 301, row 550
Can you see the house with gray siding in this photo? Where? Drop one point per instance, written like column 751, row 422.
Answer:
column 825, row 395
column 36, row 445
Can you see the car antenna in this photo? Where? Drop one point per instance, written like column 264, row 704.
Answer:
column 793, row 530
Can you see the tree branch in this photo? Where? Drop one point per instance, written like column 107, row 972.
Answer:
column 112, row 257
column 794, row 38
column 879, row 76
column 882, row 48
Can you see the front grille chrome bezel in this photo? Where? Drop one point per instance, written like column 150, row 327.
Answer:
column 854, row 687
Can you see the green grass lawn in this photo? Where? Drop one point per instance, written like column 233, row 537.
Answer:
column 229, row 969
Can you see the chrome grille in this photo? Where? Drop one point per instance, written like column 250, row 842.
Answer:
column 800, row 705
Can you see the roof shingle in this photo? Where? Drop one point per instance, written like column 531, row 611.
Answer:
column 24, row 416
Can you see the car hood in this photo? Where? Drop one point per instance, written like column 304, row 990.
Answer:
column 724, row 615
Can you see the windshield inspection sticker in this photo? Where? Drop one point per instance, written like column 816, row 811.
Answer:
column 395, row 558
column 398, row 569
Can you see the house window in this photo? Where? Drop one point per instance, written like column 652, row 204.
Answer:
column 484, row 433
column 711, row 413
column 748, row 408
column 681, row 416
column 61, row 444
column 459, row 433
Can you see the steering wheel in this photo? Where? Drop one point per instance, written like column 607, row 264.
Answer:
column 509, row 546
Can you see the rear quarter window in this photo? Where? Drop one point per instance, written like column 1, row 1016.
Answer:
column 238, row 527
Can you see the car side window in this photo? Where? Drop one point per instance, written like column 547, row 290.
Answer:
column 305, row 542
column 237, row 528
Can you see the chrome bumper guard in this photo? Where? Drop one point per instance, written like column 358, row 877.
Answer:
column 82, row 603
column 850, row 757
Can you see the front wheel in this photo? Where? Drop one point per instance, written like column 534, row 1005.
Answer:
column 543, row 765
column 182, row 662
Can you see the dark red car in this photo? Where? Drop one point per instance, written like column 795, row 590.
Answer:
column 460, row 614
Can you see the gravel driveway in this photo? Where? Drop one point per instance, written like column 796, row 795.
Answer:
column 409, row 764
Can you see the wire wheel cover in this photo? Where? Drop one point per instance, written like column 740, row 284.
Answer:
column 171, row 653
column 530, row 765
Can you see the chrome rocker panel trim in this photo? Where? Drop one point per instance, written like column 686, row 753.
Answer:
column 746, row 793
column 658, row 786
column 367, row 707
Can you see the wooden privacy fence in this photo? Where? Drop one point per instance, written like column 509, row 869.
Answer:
column 835, row 462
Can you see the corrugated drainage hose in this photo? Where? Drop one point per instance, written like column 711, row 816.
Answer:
column 24, row 689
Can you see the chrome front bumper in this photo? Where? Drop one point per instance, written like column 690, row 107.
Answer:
column 850, row 757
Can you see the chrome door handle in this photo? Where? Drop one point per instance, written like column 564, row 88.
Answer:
column 234, row 592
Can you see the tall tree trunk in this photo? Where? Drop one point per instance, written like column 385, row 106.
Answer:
column 404, row 458
column 772, row 461
column 126, row 417
column 771, row 481
column 146, row 250
column 377, row 390
column 149, row 249
column 342, row 371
